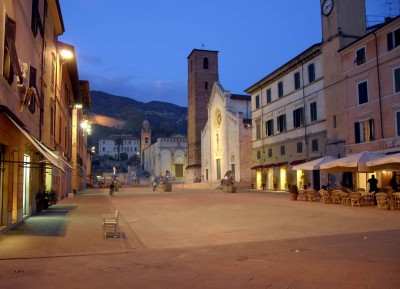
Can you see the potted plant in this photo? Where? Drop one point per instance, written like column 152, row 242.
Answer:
column 293, row 192
column 289, row 179
column 166, row 182
column 229, row 182
column 276, row 180
column 44, row 199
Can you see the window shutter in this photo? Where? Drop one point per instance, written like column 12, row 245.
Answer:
column 357, row 132
column 397, row 80
column 398, row 122
column 390, row 41
column 371, row 129
column 10, row 39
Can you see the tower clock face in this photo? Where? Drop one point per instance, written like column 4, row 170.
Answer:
column 327, row 7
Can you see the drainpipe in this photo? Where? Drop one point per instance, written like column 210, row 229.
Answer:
column 41, row 97
column 304, row 111
column 379, row 84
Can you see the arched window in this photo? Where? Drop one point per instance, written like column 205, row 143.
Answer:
column 205, row 63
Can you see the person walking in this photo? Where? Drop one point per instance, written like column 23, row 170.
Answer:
column 373, row 187
column 112, row 187
column 373, row 184
column 393, row 183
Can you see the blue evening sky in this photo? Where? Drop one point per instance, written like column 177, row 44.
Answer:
column 139, row 48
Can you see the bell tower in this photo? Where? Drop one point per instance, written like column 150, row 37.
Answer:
column 145, row 139
column 202, row 73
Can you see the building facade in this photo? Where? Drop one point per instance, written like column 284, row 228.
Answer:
column 226, row 138
column 115, row 145
column 202, row 73
column 167, row 154
column 336, row 98
column 371, row 80
column 289, row 120
column 37, row 96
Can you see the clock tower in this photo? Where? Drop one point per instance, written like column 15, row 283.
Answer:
column 343, row 19
column 343, row 22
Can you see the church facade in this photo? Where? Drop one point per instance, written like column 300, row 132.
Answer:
column 226, row 137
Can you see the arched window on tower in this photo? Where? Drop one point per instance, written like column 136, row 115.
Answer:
column 205, row 63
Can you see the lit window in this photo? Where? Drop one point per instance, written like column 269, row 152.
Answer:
column 364, row 131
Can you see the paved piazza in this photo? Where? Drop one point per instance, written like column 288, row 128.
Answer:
column 202, row 238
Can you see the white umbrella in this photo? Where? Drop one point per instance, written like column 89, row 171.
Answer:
column 388, row 162
column 314, row 164
column 352, row 163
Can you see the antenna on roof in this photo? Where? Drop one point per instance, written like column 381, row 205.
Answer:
column 202, row 45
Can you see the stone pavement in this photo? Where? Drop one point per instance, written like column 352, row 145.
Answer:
column 198, row 237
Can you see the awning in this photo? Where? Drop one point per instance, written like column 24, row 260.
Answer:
column 38, row 145
column 60, row 161
column 280, row 164
column 294, row 163
column 268, row 166
column 256, row 167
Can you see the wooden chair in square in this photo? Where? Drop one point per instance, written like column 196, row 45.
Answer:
column 110, row 224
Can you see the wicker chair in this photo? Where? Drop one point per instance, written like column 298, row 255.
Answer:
column 395, row 201
column 336, row 197
column 355, row 199
column 325, row 198
column 382, row 200
column 345, row 197
column 311, row 195
column 369, row 199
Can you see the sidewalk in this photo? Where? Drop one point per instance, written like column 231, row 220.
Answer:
column 70, row 228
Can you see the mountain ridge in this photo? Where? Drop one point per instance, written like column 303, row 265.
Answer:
column 165, row 118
